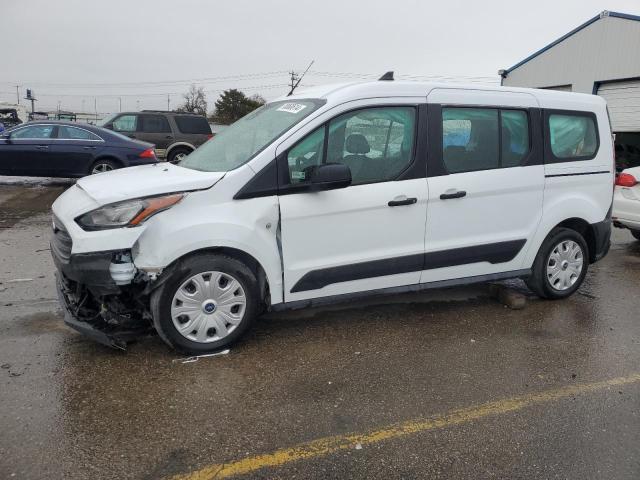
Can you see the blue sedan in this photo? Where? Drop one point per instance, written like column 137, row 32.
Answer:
column 66, row 149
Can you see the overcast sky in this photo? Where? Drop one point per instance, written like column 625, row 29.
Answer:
column 72, row 51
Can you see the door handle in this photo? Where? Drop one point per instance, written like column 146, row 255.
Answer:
column 169, row 137
column 89, row 148
column 42, row 147
column 402, row 200
column 453, row 194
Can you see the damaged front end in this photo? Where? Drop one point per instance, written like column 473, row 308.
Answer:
column 102, row 294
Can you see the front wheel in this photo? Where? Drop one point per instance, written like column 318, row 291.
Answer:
column 560, row 266
column 207, row 304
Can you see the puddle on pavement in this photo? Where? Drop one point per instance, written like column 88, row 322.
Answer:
column 40, row 323
column 25, row 202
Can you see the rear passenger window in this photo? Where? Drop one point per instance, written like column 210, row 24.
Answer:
column 470, row 139
column 72, row 133
column 572, row 136
column 515, row 137
column 155, row 124
column 483, row 138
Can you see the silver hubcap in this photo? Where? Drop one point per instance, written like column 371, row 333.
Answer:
column 565, row 265
column 102, row 167
column 208, row 306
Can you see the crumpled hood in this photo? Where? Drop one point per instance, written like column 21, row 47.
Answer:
column 145, row 181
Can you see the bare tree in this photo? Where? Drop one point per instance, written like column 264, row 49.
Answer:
column 195, row 101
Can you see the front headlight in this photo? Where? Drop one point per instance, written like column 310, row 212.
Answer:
column 129, row 213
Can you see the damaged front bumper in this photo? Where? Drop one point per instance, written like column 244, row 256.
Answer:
column 100, row 294
column 93, row 317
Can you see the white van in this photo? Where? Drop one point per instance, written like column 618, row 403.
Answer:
column 336, row 192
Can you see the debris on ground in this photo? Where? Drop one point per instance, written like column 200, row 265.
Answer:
column 198, row 357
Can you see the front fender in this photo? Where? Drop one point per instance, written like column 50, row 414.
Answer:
column 247, row 225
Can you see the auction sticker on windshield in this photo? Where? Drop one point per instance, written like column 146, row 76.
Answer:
column 292, row 107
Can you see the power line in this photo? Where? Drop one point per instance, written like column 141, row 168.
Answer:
column 246, row 76
column 366, row 76
column 162, row 94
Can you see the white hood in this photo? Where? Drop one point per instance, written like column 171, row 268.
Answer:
column 145, row 181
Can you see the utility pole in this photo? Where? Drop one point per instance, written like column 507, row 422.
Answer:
column 168, row 102
column 18, row 93
column 30, row 96
column 95, row 107
column 120, row 103
column 294, row 77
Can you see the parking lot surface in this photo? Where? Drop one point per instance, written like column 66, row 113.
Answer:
column 446, row 384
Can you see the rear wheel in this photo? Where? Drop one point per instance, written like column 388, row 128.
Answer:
column 560, row 266
column 207, row 304
column 636, row 234
column 178, row 154
column 105, row 165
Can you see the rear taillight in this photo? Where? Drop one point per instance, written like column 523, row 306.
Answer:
column 626, row 180
column 148, row 153
column 209, row 136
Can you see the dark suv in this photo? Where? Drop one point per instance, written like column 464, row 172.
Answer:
column 174, row 134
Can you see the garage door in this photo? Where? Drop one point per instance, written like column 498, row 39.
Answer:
column 623, row 99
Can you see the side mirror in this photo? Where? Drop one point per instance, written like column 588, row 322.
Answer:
column 330, row 176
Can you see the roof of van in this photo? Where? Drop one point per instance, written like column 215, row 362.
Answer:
column 342, row 92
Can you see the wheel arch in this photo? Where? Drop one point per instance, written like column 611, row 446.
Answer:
column 175, row 145
column 584, row 228
column 249, row 260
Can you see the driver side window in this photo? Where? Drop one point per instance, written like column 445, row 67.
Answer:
column 375, row 143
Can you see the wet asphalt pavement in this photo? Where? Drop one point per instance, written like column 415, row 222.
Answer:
column 70, row 408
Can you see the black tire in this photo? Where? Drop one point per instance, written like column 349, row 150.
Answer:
column 174, row 155
column 538, row 282
column 162, row 298
column 103, row 165
column 636, row 234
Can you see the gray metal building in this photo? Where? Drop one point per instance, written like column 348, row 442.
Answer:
column 602, row 57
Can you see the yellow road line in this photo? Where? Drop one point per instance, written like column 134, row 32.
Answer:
column 328, row 445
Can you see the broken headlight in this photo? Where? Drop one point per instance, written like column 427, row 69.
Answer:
column 129, row 213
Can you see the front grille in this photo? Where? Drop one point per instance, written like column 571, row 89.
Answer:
column 61, row 242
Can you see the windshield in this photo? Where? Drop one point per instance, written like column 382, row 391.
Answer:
column 248, row 136
column 106, row 120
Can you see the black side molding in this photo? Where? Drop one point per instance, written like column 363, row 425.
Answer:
column 416, row 287
column 499, row 252
column 600, row 172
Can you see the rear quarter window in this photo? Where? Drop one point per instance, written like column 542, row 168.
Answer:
column 571, row 136
column 193, row 124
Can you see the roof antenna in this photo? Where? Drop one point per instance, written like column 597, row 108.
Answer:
column 387, row 77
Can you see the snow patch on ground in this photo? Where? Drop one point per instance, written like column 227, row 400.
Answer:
column 36, row 181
